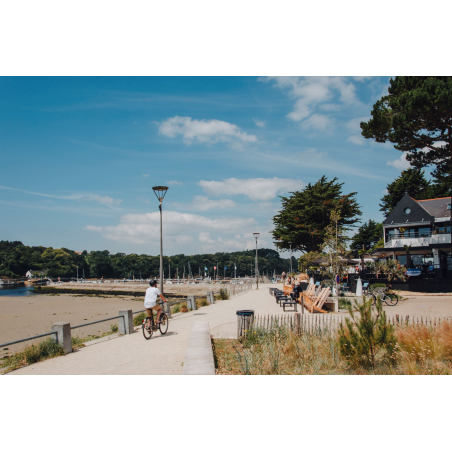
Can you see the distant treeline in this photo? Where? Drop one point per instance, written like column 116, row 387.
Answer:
column 16, row 259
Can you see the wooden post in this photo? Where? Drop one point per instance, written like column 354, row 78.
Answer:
column 297, row 323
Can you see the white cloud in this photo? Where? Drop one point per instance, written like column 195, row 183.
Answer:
column 311, row 92
column 204, row 237
column 174, row 182
column 258, row 189
column 401, row 163
column 353, row 125
column 105, row 200
column 145, row 175
column 142, row 228
column 357, row 139
column 205, row 131
column 204, row 203
column 318, row 122
column 260, row 123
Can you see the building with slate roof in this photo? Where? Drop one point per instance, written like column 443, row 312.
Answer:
column 425, row 226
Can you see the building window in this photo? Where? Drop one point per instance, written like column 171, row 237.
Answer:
column 407, row 210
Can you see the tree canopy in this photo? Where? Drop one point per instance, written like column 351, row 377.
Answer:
column 368, row 236
column 411, row 181
column 306, row 214
column 416, row 116
column 16, row 259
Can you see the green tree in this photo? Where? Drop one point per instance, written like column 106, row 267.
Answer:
column 368, row 236
column 366, row 338
column 416, row 116
column 411, row 181
column 306, row 214
column 305, row 262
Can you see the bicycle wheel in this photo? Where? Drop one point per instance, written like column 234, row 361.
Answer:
column 147, row 332
column 391, row 299
column 163, row 327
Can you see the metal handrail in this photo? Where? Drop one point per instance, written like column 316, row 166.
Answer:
column 100, row 321
column 30, row 338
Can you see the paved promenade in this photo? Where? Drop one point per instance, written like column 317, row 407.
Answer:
column 161, row 355
column 164, row 355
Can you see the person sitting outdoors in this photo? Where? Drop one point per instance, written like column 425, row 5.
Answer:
column 150, row 300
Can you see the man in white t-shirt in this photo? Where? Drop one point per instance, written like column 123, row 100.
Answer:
column 150, row 300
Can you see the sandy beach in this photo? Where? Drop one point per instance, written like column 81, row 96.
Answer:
column 22, row 317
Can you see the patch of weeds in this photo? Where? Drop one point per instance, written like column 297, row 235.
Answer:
column 33, row 354
column 224, row 295
column 201, row 301
column 344, row 303
column 138, row 319
column 113, row 328
column 175, row 309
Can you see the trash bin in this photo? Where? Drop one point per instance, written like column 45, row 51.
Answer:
column 245, row 319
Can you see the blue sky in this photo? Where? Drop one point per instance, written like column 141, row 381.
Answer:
column 79, row 156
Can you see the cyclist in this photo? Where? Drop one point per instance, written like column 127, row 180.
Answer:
column 150, row 300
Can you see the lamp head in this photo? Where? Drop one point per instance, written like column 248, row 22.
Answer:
column 160, row 192
column 256, row 235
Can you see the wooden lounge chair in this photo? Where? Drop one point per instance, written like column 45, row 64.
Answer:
column 315, row 302
column 321, row 301
column 309, row 290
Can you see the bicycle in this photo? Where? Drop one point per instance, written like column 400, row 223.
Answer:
column 149, row 325
column 390, row 298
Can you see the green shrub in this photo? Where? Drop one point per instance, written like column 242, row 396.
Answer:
column 367, row 338
column 138, row 319
column 114, row 328
column 201, row 301
column 176, row 308
column 34, row 353
column 344, row 303
column 224, row 295
column 77, row 342
column 377, row 285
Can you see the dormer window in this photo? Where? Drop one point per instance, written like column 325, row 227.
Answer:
column 448, row 206
column 407, row 210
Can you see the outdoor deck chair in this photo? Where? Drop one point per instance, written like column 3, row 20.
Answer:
column 309, row 290
column 321, row 301
column 316, row 301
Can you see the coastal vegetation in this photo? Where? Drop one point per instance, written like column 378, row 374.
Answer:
column 305, row 215
column 16, row 259
column 402, row 350
column 33, row 354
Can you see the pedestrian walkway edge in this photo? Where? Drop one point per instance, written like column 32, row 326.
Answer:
column 199, row 355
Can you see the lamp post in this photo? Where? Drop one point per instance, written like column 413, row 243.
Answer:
column 160, row 192
column 256, row 236
column 290, row 244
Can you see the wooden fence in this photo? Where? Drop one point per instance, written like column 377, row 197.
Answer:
column 234, row 289
column 330, row 322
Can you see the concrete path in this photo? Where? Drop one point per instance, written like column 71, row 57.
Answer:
column 161, row 355
column 164, row 355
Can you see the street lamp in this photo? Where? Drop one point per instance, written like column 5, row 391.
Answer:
column 290, row 244
column 256, row 236
column 160, row 192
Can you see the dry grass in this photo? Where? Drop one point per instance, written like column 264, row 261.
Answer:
column 420, row 351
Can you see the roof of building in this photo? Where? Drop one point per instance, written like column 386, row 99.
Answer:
column 436, row 207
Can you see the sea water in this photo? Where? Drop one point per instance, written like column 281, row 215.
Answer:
column 16, row 291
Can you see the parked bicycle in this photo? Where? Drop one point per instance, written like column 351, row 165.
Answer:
column 390, row 298
column 150, row 325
